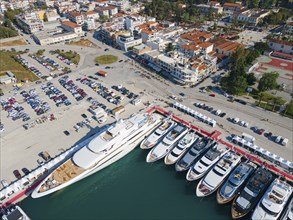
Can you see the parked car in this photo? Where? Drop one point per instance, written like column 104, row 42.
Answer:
column 212, row 94
column 4, row 183
column 45, row 155
column 66, row 133
column 260, row 131
column 40, row 162
column 25, row 171
column 17, row 174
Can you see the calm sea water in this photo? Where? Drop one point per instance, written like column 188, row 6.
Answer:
column 129, row 189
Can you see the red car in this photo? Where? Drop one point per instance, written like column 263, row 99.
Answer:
column 17, row 174
column 212, row 95
column 260, row 131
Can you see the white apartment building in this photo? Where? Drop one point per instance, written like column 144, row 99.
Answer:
column 176, row 68
column 122, row 5
column 75, row 17
column 53, row 37
column 281, row 46
column 132, row 21
column 30, row 25
column 126, row 42
column 72, row 27
column 251, row 16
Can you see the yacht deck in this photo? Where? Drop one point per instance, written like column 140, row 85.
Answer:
column 66, row 172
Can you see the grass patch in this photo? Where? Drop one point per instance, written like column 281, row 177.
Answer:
column 106, row 59
column 13, row 43
column 70, row 55
column 268, row 106
column 82, row 43
column 8, row 63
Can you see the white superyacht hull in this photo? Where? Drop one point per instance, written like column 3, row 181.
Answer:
column 120, row 152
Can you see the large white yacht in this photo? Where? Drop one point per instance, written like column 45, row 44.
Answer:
column 104, row 149
column 273, row 201
column 167, row 144
column 217, row 174
column 181, row 147
column 200, row 146
column 159, row 133
column 288, row 213
column 205, row 163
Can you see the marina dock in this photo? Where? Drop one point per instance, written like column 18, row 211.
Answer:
column 25, row 191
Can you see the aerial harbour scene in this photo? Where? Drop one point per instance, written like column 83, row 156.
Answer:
column 146, row 110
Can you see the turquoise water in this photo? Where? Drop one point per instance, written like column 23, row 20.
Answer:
column 129, row 189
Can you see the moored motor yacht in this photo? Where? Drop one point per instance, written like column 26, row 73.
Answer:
column 200, row 146
column 217, row 175
column 273, row 201
column 252, row 192
column 167, row 144
column 201, row 167
column 235, row 182
column 174, row 155
column 288, row 213
column 104, row 148
column 158, row 134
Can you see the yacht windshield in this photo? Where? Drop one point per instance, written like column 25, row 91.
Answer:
column 268, row 211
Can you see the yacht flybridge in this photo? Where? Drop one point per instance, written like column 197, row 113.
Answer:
column 235, row 182
column 217, row 175
column 180, row 148
column 167, row 144
column 202, row 166
column 273, row 201
column 201, row 145
column 105, row 148
column 158, row 134
column 252, row 192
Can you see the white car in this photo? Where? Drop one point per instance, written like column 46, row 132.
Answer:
column 173, row 97
column 40, row 162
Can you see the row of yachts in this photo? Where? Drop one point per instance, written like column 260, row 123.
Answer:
column 251, row 188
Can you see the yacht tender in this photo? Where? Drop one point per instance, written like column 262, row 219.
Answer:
column 158, row 134
column 235, row 182
column 105, row 148
column 273, row 201
column 174, row 155
column 167, row 144
column 202, row 145
column 252, row 192
column 217, row 175
column 202, row 166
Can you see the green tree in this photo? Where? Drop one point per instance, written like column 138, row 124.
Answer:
column 277, row 100
column 261, row 47
column 170, row 47
column 237, row 85
column 45, row 17
column 103, row 18
column 251, row 79
column 7, row 32
column 268, row 81
column 253, row 3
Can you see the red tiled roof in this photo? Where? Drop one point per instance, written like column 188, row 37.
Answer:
column 90, row 13
column 233, row 5
column 70, row 24
column 74, row 13
column 205, row 44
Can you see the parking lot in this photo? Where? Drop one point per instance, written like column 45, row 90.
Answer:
column 125, row 82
